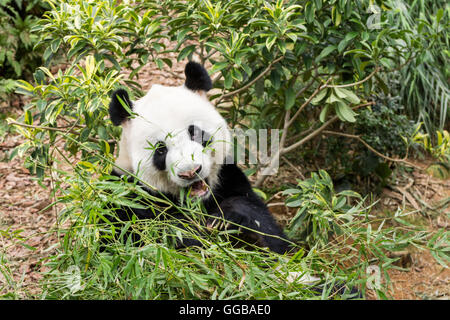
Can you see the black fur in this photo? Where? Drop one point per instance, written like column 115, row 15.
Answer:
column 199, row 135
column 240, row 206
column 159, row 158
column 117, row 112
column 197, row 77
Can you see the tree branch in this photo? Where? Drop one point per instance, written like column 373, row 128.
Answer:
column 356, row 83
column 352, row 136
column 320, row 88
column 248, row 85
column 320, row 129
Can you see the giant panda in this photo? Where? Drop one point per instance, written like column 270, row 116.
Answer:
column 173, row 139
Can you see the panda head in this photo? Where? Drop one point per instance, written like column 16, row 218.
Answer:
column 175, row 139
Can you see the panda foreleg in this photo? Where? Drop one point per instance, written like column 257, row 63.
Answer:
column 253, row 219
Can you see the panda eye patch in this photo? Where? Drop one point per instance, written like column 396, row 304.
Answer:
column 159, row 156
column 161, row 148
column 198, row 135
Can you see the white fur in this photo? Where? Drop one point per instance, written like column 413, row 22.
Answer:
column 164, row 114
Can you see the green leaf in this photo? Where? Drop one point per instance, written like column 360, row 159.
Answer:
column 324, row 113
column 344, row 112
column 237, row 75
column 228, row 80
column 218, row 66
column 26, row 245
column 350, row 193
column 294, row 203
column 289, row 98
column 28, row 117
column 319, row 97
column 292, row 36
column 186, row 52
column 159, row 63
column 439, row 15
column 55, row 45
column 332, row 99
column 339, row 202
column 344, row 42
column 310, row 11
column 47, row 72
column 291, row 191
column 47, row 53
column 260, row 193
column 25, row 86
column 325, row 52
column 347, row 95
column 90, row 67
column 270, row 41
column 337, row 17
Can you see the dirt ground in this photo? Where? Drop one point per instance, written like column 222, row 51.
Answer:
column 424, row 278
column 24, row 208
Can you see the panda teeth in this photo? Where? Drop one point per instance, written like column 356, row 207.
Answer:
column 199, row 188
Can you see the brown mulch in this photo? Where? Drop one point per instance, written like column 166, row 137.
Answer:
column 24, row 209
column 424, row 277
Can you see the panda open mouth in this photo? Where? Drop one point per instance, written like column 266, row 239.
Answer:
column 199, row 189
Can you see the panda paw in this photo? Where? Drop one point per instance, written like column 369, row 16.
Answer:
column 232, row 220
column 233, row 214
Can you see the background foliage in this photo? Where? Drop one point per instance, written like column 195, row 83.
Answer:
column 18, row 60
column 424, row 83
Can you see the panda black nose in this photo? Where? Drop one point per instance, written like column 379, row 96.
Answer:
column 190, row 174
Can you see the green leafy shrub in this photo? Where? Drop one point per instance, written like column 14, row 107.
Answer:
column 440, row 151
column 385, row 127
column 422, row 83
column 18, row 59
column 322, row 212
column 342, row 229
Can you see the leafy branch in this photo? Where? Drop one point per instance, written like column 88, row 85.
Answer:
column 357, row 137
column 66, row 130
column 248, row 85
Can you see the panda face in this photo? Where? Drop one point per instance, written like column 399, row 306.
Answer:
column 176, row 140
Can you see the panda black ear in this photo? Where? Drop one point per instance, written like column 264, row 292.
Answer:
column 117, row 111
column 197, row 77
